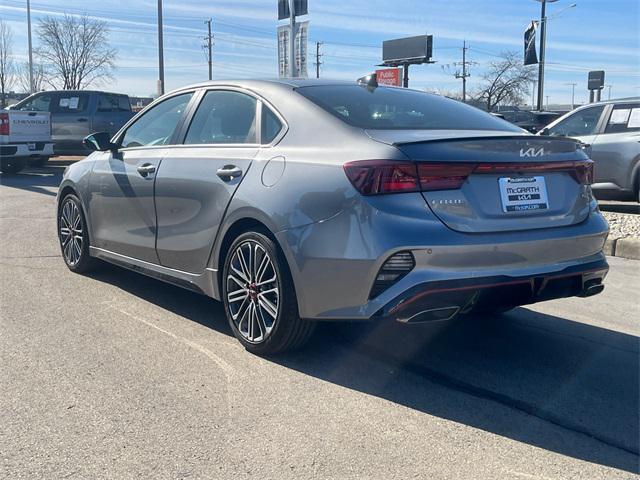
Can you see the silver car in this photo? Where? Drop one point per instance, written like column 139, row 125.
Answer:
column 612, row 129
column 294, row 202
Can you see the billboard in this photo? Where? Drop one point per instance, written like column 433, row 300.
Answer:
column 301, row 41
column 408, row 50
column 300, row 6
column 389, row 76
column 596, row 80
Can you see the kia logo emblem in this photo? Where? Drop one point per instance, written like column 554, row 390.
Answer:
column 532, row 152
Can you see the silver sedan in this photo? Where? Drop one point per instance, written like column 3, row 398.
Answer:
column 294, row 202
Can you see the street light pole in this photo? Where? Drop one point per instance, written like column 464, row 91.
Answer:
column 573, row 95
column 293, row 67
column 609, row 87
column 31, row 86
column 160, row 52
column 543, row 41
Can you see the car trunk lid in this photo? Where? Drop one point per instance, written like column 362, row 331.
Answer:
column 490, row 182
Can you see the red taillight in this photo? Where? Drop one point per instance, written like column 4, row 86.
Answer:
column 375, row 177
column 443, row 176
column 584, row 172
column 4, row 124
column 581, row 170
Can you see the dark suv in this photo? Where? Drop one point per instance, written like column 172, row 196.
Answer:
column 77, row 113
column 530, row 121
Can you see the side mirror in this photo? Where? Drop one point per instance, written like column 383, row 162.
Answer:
column 544, row 131
column 100, row 141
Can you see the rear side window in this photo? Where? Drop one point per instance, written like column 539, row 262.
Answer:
column 108, row 102
column 156, row 126
column 397, row 108
column 624, row 118
column 72, row 102
column 224, row 116
column 271, row 125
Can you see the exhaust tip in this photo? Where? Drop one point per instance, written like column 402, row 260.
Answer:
column 432, row 315
column 591, row 289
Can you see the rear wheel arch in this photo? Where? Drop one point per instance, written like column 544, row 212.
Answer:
column 70, row 189
column 635, row 176
column 240, row 226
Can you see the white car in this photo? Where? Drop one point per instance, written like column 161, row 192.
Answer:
column 25, row 137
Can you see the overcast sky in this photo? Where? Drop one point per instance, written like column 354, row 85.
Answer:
column 592, row 35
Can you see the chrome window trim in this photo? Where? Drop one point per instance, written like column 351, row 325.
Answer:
column 260, row 101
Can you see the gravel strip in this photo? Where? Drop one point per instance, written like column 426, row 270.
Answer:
column 623, row 225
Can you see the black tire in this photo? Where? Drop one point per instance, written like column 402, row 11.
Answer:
column 248, row 307
column 12, row 165
column 38, row 161
column 75, row 244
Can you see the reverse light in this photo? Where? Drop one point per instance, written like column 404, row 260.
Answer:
column 4, row 124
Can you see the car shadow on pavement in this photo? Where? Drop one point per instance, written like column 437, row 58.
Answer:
column 546, row 381
column 43, row 180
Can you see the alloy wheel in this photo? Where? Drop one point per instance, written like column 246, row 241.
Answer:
column 253, row 296
column 71, row 232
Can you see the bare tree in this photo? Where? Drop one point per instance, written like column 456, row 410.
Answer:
column 22, row 77
column 77, row 51
column 505, row 81
column 6, row 62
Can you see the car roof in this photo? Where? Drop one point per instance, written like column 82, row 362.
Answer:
column 613, row 101
column 289, row 82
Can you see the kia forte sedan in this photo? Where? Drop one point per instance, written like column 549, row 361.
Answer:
column 294, row 202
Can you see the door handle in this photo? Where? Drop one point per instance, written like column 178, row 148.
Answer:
column 83, row 120
column 146, row 169
column 229, row 172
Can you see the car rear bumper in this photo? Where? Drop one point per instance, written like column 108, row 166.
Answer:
column 334, row 263
column 444, row 299
column 21, row 150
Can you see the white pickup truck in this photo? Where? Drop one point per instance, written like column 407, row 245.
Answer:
column 25, row 138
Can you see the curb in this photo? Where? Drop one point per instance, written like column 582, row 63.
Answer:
column 627, row 247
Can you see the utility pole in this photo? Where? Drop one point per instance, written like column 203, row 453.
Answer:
column 609, row 87
column 573, row 94
column 209, row 46
column 464, row 75
column 547, row 102
column 318, row 62
column 543, row 40
column 293, row 67
column 31, row 86
column 160, row 52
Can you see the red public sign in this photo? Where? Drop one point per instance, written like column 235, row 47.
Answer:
column 389, row 76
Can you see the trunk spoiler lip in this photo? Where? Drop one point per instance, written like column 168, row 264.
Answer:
column 435, row 136
column 526, row 138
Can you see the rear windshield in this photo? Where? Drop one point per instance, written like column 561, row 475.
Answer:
column 386, row 108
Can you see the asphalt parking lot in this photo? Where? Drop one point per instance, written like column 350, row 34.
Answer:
column 115, row 375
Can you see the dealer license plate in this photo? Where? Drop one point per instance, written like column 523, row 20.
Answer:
column 520, row 194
